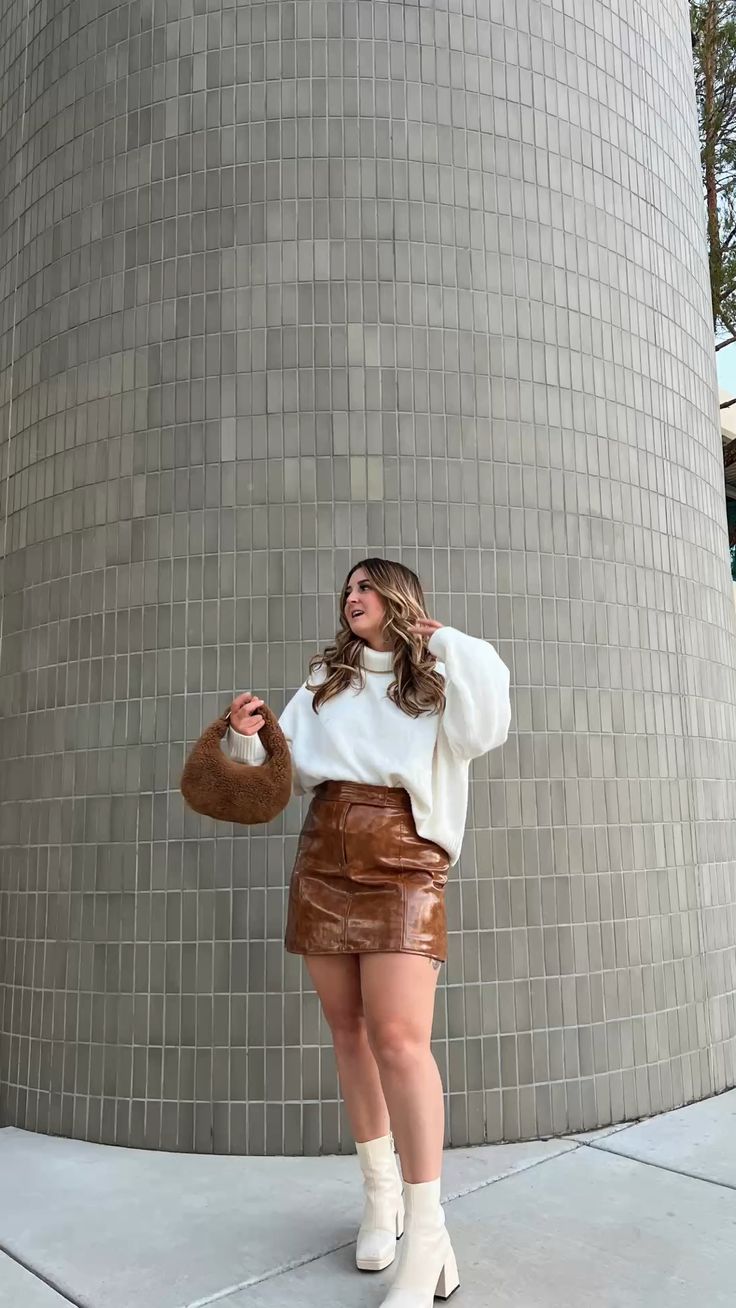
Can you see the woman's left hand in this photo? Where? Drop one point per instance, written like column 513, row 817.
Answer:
column 425, row 627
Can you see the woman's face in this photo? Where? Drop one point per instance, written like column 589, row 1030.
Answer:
column 365, row 611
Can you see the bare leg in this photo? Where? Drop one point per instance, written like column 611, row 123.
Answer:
column 398, row 996
column 336, row 978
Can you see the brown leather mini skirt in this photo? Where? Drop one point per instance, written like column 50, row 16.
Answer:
column 364, row 881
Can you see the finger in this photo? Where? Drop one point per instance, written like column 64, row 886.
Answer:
column 250, row 724
column 245, row 710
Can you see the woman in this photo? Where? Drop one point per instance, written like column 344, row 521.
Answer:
column 383, row 738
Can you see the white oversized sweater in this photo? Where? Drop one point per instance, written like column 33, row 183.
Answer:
column 360, row 735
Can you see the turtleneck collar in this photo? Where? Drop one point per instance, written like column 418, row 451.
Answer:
column 373, row 661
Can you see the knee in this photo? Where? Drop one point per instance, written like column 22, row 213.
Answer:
column 348, row 1030
column 396, row 1044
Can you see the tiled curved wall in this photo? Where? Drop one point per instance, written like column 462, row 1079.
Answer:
column 285, row 285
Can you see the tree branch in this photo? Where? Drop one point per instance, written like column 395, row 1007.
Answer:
column 729, row 455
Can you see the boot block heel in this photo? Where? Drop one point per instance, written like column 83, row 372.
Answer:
column 449, row 1279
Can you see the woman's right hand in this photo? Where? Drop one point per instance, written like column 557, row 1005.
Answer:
column 244, row 715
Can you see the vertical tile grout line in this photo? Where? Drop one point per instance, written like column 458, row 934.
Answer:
column 3, row 552
column 19, row 181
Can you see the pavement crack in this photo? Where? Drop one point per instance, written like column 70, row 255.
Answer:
column 273, row 1272
column 659, row 1167
column 511, row 1171
column 52, row 1285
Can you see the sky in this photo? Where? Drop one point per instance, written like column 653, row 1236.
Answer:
column 727, row 368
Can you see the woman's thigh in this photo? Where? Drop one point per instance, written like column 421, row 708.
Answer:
column 398, row 996
column 336, row 978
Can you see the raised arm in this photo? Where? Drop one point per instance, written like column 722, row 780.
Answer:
column 477, row 713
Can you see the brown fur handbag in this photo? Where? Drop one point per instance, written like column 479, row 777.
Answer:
column 231, row 791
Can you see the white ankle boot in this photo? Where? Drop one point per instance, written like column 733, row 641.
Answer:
column 383, row 1215
column 426, row 1266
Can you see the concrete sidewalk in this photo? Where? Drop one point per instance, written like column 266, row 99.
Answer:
column 640, row 1216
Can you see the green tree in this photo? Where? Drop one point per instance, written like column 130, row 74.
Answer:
column 713, row 26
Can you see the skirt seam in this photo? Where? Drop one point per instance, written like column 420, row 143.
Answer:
column 403, row 886
column 343, row 825
column 349, row 906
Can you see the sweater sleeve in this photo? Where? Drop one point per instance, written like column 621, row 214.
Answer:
column 477, row 712
column 248, row 749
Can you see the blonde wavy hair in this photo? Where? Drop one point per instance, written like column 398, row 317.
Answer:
column 417, row 687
